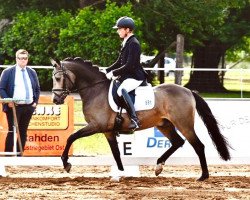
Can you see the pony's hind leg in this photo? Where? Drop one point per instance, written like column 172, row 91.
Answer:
column 169, row 131
column 200, row 151
column 199, row 148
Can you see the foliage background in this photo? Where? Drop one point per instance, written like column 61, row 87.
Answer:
column 62, row 28
column 87, row 34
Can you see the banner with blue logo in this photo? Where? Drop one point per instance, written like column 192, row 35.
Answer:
column 235, row 127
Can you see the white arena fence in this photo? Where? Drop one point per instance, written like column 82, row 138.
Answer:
column 233, row 79
column 144, row 149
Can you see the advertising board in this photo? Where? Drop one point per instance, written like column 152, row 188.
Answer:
column 233, row 117
column 48, row 130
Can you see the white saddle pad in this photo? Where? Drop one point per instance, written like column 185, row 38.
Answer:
column 144, row 98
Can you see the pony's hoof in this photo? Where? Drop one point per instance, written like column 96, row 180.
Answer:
column 203, row 177
column 158, row 169
column 67, row 167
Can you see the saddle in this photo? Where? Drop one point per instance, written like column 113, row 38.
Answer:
column 142, row 97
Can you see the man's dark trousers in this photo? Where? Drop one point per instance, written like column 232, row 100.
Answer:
column 24, row 114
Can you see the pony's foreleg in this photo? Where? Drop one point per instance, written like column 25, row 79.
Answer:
column 65, row 157
column 84, row 132
column 176, row 142
column 115, row 150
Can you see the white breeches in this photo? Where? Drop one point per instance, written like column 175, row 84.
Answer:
column 129, row 85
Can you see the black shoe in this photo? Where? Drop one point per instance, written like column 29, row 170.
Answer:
column 134, row 124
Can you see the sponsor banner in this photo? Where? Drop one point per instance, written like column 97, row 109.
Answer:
column 49, row 128
column 234, row 121
column 50, row 117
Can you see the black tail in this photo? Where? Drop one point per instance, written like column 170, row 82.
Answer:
column 211, row 123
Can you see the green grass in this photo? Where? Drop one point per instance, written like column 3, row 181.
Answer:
column 91, row 146
column 88, row 146
column 230, row 94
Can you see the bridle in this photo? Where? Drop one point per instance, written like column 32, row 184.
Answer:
column 64, row 90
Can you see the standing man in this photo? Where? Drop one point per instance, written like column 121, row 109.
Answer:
column 19, row 82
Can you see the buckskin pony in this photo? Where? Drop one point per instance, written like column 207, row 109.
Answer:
column 174, row 108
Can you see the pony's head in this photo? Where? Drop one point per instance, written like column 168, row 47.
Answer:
column 63, row 82
column 73, row 74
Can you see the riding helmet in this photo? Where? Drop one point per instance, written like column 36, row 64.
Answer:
column 125, row 22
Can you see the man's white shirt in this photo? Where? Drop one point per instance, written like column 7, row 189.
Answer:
column 19, row 87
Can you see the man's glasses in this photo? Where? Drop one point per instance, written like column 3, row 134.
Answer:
column 22, row 58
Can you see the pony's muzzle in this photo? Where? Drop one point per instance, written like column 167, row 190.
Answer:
column 57, row 99
column 59, row 95
column 58, row 102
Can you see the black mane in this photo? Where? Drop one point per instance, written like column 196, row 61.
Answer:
column 82, row 62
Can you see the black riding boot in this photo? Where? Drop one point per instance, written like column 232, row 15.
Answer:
column 130, row 110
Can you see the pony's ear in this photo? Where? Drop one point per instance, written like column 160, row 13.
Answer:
column 55, row 62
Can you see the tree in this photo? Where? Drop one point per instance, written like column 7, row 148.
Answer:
column 90, row 34
column 93, row 3
column 210, row 29
column 208, row 55
column 10, row 8
column 39, row 37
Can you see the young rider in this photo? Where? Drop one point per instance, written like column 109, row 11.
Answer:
column 127, row 67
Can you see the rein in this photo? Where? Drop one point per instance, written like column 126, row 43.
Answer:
column 98, row 82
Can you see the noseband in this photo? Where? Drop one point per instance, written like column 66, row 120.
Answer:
column 64, row 90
